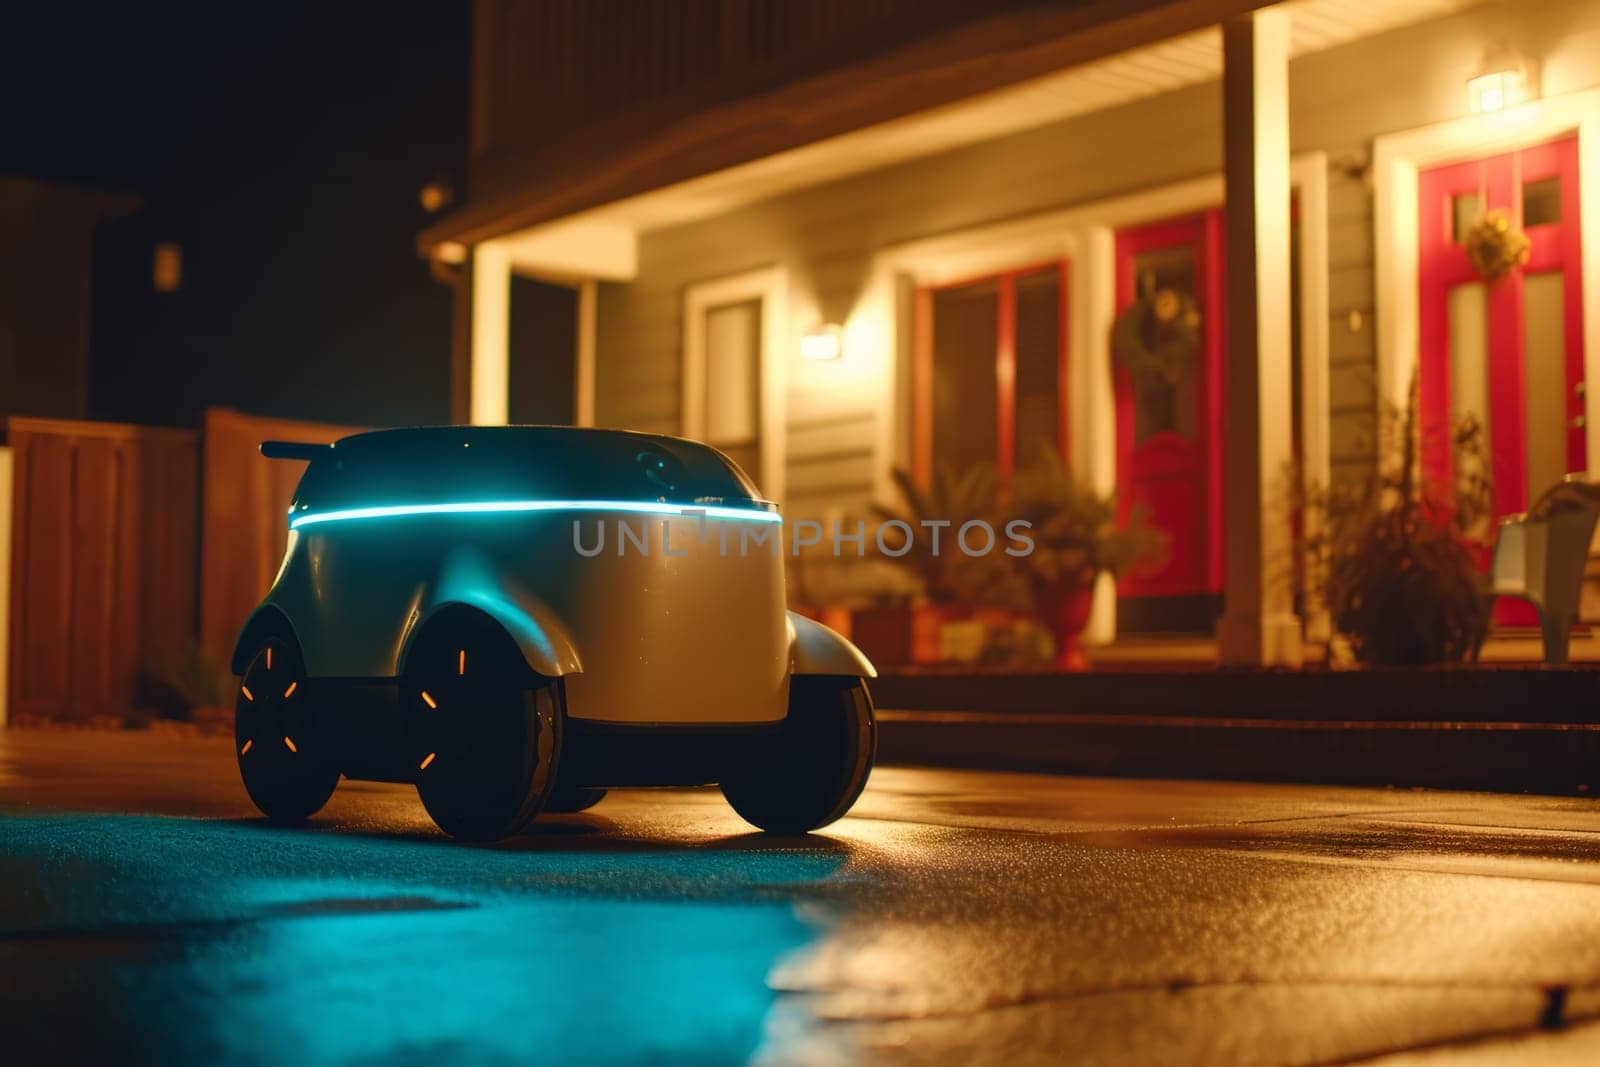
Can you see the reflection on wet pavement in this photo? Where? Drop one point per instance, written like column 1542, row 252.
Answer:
column 953, row 918
column 196, row 941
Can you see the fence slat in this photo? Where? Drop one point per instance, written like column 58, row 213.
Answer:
column 103, row 560
column 112, row 542
column 244, row 521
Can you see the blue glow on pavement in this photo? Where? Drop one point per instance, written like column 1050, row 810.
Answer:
column 509, row 507
column 224, row 942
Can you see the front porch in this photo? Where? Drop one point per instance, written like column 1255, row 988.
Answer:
column 797, row 310
column 1498, row 728
column 1517, row 646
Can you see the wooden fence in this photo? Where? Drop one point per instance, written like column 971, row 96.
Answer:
column 137, row 552
column 244, row 526
column 103, row 554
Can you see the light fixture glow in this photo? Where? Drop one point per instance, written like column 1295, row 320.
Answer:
column 461, row 667
column 248, row 745
column 288, row 742
column 1502, row 81
column 1493, row 91
column 245, row 689
column 506, row 507
column 826, row 342
column 289, row 692
column 269, row 657
column 428, row 700
column 429, row 758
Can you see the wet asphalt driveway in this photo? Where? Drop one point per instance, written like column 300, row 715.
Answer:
column 146, row 915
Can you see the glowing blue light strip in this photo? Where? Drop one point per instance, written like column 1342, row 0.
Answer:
column 506, row 507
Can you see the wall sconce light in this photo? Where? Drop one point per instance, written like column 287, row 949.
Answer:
column 451, row 252
column 435, row 196
column 825, row 342
column 166, row 267
column 1501, row 82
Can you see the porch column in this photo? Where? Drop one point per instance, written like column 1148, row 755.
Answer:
column 1258, row 625
column 490, row 290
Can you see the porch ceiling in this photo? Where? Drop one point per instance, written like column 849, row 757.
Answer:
column 1165, row 65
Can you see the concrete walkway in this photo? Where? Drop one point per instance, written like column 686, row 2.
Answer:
column 955, row 917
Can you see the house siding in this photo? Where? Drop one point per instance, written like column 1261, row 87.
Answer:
column 826, row 236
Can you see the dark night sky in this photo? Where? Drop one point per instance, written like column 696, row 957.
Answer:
column 283, row 148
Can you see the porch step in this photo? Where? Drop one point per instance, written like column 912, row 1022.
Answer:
column 1501, row 728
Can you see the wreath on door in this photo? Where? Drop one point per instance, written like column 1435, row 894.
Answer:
column 1157, row 337
column 1494, row 247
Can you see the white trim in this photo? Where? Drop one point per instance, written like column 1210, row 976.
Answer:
column 490, row 347
column 770, row 285
column 583, row 372
column 1085, row 236
column 1308, row 174
column 577, row 246
column 1397, row 159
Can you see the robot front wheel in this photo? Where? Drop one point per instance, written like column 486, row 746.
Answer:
column 483, row 732
column 813, row 769
column 283, row 760
column 485, row 737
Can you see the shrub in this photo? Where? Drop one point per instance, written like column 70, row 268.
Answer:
column 1393, row 561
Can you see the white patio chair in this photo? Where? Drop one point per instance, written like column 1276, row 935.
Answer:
column 1540, row 557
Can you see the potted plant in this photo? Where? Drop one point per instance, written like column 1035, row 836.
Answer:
column 1076, row 538
column 1395, row 560
column 953, row 586
column 866, row 600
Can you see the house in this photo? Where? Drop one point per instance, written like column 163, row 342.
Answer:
column 46, row 241
column 836, row 238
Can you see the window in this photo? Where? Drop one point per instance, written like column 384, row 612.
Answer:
column 733, row 381
column 734, row 332
column 991, row 371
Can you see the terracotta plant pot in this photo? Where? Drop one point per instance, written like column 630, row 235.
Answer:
column 1066, row 611
column 904, row 635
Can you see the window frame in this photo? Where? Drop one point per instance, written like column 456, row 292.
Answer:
column 770, row 286
column 1005, row 359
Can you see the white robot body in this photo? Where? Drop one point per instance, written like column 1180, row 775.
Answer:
column 641, row 576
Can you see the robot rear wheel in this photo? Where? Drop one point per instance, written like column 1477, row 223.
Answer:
column 814, row 768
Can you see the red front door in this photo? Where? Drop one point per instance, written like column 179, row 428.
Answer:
column 1506, row 351
column 1169, row 430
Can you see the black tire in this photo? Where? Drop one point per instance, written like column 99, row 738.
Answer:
column 287, row 768
column 484, row 731
column 814, row 768
column 566, row 800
